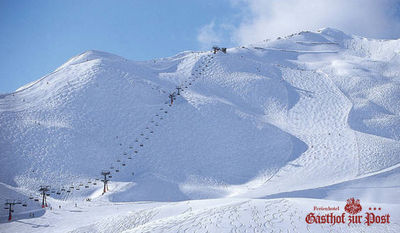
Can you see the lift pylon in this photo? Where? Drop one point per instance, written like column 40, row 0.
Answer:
column 105, row 180
column 172, row 97
column 9, row 205
column 179, row 90
column 44, row 189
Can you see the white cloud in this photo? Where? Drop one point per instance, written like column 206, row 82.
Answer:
column 208, row 36
column 262, row 19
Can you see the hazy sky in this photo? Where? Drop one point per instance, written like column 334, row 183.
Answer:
column 37, row 36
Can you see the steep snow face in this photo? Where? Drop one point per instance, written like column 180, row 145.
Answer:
column 310, row 110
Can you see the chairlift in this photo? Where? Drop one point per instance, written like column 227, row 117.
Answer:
column 86, row 186
column 58, row 193
column 94, row 183
column 117, row 170
column 68, row 191
column 47, row 194
column 151, row 131
column 109, row 176
column 24, row 205
column 136, row 151
column 36, row 199
column 123, row 164
column 141, row 145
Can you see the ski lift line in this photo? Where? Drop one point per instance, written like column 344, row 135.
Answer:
column 131, row 147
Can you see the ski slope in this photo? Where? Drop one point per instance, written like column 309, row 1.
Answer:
column 211, row 215
column 313, row 115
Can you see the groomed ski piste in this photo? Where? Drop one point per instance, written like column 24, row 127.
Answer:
column 257, row 137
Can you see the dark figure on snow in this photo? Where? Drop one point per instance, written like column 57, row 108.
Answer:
column 172, row 96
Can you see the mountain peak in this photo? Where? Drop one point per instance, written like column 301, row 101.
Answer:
column 334, row 33
column 91, row 55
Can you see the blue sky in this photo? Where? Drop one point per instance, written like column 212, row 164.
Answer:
column 37, row 36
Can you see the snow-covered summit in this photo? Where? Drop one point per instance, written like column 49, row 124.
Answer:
column 91, row 55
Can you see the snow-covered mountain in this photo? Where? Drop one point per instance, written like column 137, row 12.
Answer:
column 312, row 115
